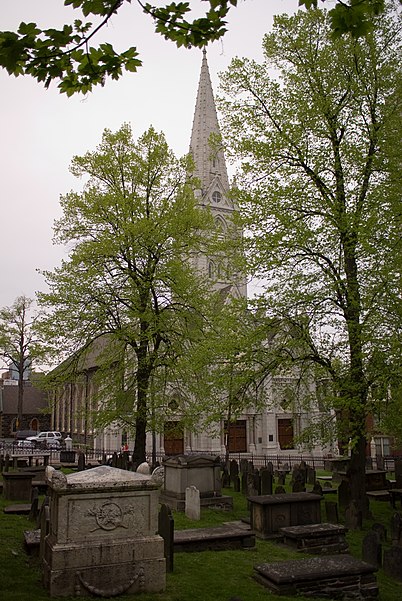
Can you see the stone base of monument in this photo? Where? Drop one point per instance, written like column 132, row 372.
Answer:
column 333, row 576
column 323, row 539
column 103, row 537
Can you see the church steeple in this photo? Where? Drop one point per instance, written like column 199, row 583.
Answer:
column 210, row 166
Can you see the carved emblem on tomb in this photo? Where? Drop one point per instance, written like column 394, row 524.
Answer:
column 109, row 516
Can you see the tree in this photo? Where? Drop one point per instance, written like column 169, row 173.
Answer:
column 65, row 55
column 19, row 344
column 318, row 191
column 128, row 280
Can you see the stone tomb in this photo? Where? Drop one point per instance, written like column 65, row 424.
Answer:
column 201, row 471
column 270, row 513
column 333, row 576
column 103, row 534
column 322, row 539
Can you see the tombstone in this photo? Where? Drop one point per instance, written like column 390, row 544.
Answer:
column 344, row 496
column 225, row 478
column 281, row 478
column 251, row 490
column 34, row 511
column 125, row 461
column 243, row 466
column 158, row 475
column 243, row 484
column 298, row 486
column 298, row 480
column 166, row 531
column 372, row 549
column 266, row 481
column 236, row 483
column 7, row 462
column 381, row 531
column 103, row 517
column 331, row 511
column 353, row 517
column 1, row 463
column 398, row 473
column 257, row 481
column 279, row 490
column 44, row 529
column 380, row 462
column 392, row 562
column 233, row 469
column 114, row 459
column 311, row 475
column 270, row 467
column 317, row 488
column 45, row 503
column 81, row 462
column 143, row 468
column 396, row 528
column 193, row 507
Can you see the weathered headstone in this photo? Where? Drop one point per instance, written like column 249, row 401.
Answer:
column 392, row 562
column 380, row 461
column 7, row 462
column 233, row 469
column 236, row 483
column 243, row 466
column 166, row 531
column 251, row 490
column 317, row 488
column 311, row 475
column 298, row 486
column 353, row 517
column 279, row 490
column 270, row 467
column 257, row 481
column 381, row 531
column 396, row 528
column 331, row 511
column 45, row 503
column 81, row 462
column 193, row 506
column 33, row 514
column 266, row 481
column 281, row 478
column 372, row 549
column 144, row 468
column 398, row 473
column 344, row 496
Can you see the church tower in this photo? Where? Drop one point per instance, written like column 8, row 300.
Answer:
column 210, row 169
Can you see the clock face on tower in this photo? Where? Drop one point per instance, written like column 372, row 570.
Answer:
column 216, row 196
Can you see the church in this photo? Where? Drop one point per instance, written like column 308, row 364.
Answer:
column 273, row 431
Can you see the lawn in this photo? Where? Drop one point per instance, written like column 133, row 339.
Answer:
column 207, row 576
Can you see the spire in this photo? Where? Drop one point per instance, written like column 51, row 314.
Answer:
column 210, row 164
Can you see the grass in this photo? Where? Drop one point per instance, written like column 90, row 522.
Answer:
column 206, row 576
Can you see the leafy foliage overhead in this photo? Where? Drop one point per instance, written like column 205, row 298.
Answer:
column 67, row 56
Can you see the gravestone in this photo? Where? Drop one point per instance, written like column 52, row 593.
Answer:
column 17, row 486
column 143, row 468
column 45, row 503
column 344, row 496
column 311, row 475
column 7, row 462
column 353, row 517
column 270, row 467
column 279, row 490
column 298, row 486
column 372, row 549
column 251, row 490
column 392, row 562
column 243, row 483
column 166, row 531
column 266, row 481
column 233, row 469
column 331, row 511
column 102, row 538
column 396, row 528
column 33, row 514
column 380, row 462
column 192, row 507
column 281, row 478
column 243, row 466
column 81, row 462
column 257, row 481
column 236, row 483
column 398, row 473
column 317, row 488
column 381, row 531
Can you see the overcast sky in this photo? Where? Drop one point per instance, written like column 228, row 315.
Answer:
column 41, row 130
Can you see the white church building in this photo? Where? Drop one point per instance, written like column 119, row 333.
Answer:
column 273, row 431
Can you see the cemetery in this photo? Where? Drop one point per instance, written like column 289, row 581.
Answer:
column 104, row 531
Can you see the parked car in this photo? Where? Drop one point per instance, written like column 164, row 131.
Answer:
column 25, row 444
column 23, row 434
column 49, row 440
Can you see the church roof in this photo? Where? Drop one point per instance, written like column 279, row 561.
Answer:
column 209, row 161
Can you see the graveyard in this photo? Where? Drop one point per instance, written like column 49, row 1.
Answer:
column 226, row 551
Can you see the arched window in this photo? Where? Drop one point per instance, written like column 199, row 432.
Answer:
column 216, row 196
column 221, row 224
column 34, row 424
column 211, row 270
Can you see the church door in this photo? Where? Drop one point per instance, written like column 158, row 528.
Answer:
column 285, row 433
column 237, row 437
column 173, row 439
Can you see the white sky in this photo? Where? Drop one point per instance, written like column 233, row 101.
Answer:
column 41, row 130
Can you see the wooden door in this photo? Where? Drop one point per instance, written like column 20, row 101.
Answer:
column 285, row 433
column 173, row 439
